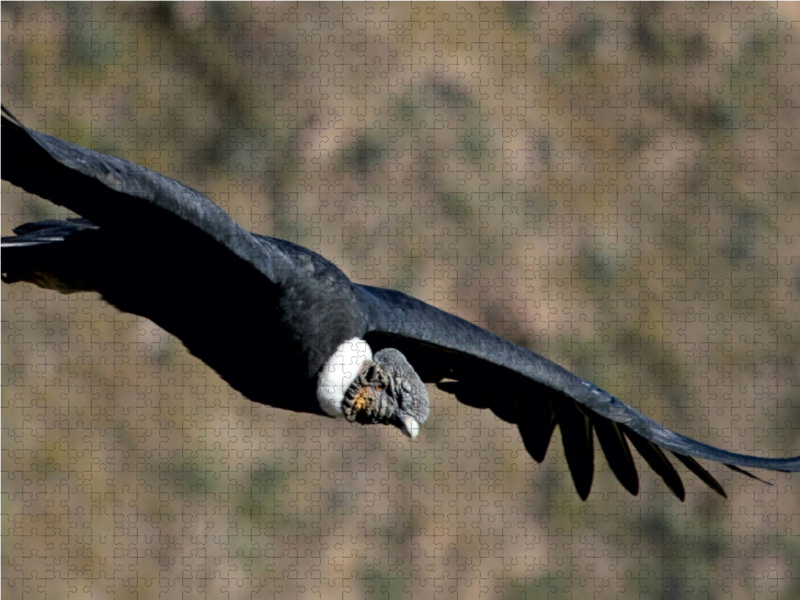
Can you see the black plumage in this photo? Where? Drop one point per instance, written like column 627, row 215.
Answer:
column 154, row 247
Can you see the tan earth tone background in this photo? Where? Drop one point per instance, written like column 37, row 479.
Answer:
column 615, row 186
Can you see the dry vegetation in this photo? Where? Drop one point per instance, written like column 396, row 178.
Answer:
column 615, row 187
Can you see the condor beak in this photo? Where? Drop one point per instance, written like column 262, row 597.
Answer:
column 409, row 426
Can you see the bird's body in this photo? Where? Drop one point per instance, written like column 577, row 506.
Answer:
column 292, row 331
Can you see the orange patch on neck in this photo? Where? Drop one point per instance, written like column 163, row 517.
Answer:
column 362, row 401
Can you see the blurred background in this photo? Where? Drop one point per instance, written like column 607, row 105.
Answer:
column 614, row 186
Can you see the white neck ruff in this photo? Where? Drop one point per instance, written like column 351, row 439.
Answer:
column 339, row 372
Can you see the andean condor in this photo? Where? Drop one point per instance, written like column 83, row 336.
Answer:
column 292, row 331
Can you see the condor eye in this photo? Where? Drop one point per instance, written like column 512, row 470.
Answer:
column 380, row 387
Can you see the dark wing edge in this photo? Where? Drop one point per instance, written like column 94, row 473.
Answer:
column 457, row 356
column 115, row 192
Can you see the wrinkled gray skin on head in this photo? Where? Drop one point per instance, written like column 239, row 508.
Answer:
column 388, row 390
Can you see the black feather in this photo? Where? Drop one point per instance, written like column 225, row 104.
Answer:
column 537, row 421
column 577, row 437
column 618, row 453
column 659, row 462
column 696, row 468
column 749, row 474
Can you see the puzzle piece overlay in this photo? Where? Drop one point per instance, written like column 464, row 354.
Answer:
column 612, row 186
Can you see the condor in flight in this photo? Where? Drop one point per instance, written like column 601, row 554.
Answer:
column 292, row 331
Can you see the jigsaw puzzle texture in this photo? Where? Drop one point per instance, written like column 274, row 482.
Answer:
column 614, row 186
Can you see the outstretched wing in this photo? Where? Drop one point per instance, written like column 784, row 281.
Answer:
column 116, row 193
column 521, row 387
column 152, row 247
